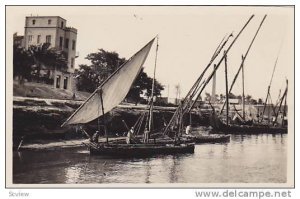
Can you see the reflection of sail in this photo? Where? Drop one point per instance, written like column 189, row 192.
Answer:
column 113, row 90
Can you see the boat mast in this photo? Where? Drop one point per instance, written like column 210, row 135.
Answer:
column 196, row 86
column 268, row 92
column 283, row 96
column 233, row 82
column 152, row 91
column 243, row 82
column 226, row 84
column 220, row 61
column 284, row 108
column 213, row 91
column 104, row 120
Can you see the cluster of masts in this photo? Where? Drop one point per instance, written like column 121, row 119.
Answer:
column 104, row 98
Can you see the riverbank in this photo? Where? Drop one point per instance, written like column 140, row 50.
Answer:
column 41, row 119
column 39, row 110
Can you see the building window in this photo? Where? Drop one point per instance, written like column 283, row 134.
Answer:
column 66, row 82
column 62, row 24
column 49, row 21
column 48, row 39
column 33, row 22
column 30, row 38
column 61, row 42
column 67, row 43
column 58, row 81
column 38, row 39
column 73, row 44
column 72, row 62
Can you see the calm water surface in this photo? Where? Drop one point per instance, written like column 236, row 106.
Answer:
column 247, row 158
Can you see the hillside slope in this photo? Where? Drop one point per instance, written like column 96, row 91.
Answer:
column 46, row 91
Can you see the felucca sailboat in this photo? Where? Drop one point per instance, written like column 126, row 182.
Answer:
column 107, row 96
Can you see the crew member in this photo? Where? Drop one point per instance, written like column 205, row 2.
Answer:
column 188, row 129
column 146, row 135
column 95, row 137
column 130, row 136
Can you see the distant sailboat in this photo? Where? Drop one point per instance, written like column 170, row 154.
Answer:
column 244, row 126
column 107, row 96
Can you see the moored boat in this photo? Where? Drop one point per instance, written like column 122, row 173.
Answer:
column 139, row 150
column 107, row 96
column 221, row 127
column 211, row 138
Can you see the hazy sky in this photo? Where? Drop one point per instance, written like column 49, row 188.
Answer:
column 188, row 35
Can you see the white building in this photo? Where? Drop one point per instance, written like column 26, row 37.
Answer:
column 53, row 30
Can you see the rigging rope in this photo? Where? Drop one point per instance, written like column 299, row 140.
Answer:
column 243, row 60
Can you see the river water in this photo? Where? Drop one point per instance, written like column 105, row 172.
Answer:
column 245, row 159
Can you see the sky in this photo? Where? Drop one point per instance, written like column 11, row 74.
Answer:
column 188, row 36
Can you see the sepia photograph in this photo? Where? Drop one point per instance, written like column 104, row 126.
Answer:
column 150, row 96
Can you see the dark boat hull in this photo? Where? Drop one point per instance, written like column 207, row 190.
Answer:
column 139, row 150
column 253, row 129
column 220, row 127
column 212, row 139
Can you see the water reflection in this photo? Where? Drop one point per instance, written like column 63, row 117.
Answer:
column 147, row 171
column 247, row 158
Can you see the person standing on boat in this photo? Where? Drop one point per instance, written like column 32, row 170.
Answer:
column 146, row 135
column 188, row 129
column 95, row 137
column 130, row 136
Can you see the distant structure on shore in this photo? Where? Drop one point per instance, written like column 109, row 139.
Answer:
column 53, row 30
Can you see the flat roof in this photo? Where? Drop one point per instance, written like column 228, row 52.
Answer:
column 45, row 17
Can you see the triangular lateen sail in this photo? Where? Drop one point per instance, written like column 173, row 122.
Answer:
column 114, row 89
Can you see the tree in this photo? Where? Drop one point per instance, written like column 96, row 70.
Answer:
column 143, row 84
column 104, row 63
column 231, row 96
column 253, row 101
column 260, row 101
column 239, row 97
column 248, row 98
column 207, row 97
column 47, row 58
column 22, row 63
column 87, row 79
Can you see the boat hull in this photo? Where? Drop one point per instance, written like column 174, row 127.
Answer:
column 212, row 139
column 139, row 150
column 232, row 129
column 220, row 127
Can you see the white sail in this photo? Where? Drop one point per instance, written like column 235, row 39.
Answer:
column 114, row 89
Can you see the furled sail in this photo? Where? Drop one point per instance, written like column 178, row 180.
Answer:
column 112, row 91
